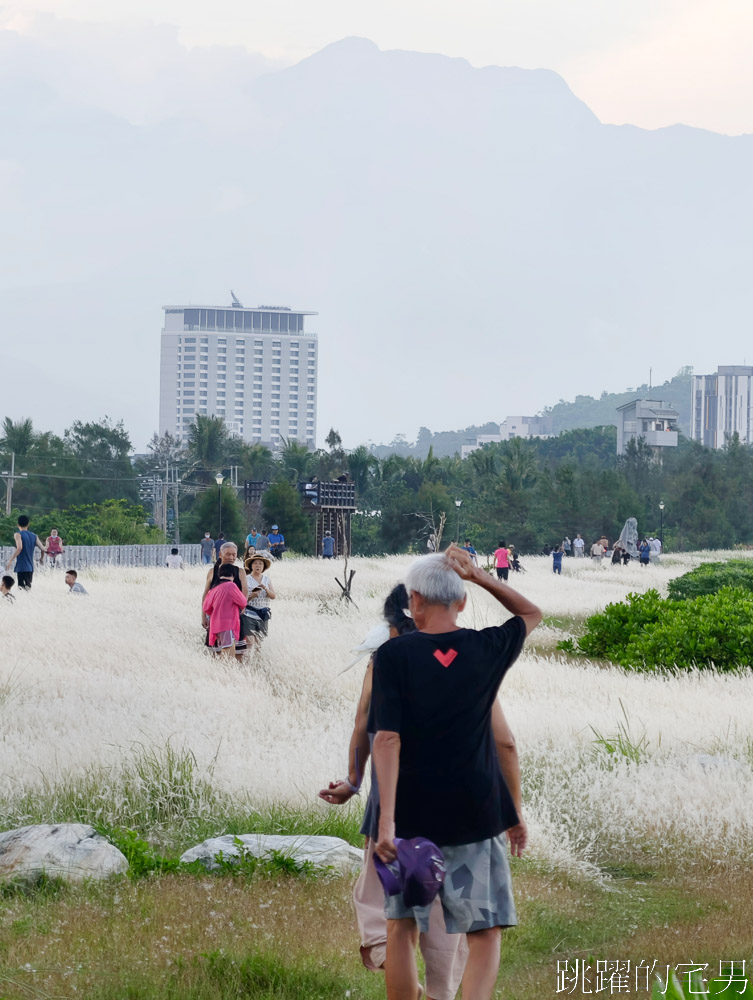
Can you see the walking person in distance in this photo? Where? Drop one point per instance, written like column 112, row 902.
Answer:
column 26, row 542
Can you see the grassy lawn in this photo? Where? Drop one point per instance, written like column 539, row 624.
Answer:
column 216, row 938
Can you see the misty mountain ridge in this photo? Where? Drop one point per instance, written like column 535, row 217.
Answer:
column 582, row 413
column 474, row 240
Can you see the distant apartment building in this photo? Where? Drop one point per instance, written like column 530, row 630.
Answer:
column 511, row 427
column 649, row 419
column 721, row 405
column 255, row 368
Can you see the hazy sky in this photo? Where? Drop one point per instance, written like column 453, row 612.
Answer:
column 648, row 62
column 95, row 96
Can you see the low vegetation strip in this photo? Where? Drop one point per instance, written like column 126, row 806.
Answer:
column 646, row 632
column 709, row 578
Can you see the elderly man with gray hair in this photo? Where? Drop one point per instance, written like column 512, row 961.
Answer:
column 437, row 768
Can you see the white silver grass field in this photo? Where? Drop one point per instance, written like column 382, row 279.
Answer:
column 88, row 685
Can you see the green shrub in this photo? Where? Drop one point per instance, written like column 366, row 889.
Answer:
column 144, row 860
column 141, row 856
column 646, row 632
column 246, row 864
column 711, row 578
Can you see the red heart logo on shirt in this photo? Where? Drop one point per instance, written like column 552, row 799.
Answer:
column 445, row 658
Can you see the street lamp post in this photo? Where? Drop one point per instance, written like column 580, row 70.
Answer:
column 661, row 524
column 457, row 532
column 219, row 478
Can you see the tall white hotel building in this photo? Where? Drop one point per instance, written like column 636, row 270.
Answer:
column 255, row 368
column 722, row 405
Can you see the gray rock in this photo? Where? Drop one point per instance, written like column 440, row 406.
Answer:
column 321, row 851
column 71, row 851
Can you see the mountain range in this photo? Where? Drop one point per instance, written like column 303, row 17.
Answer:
column 475, row 241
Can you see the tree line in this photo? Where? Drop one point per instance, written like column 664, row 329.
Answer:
column 529, row 492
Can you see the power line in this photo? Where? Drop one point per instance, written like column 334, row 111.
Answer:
column 103, row 479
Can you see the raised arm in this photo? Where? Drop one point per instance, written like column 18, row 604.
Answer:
column 244, row 581
column 510, row 599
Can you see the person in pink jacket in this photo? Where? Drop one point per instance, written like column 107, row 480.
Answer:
column 223, row 605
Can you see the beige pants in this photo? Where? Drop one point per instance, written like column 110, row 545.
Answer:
column 444, row 954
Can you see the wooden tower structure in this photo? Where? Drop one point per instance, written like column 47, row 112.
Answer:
column 332, row 506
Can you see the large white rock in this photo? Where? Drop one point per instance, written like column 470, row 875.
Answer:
column 71, row 851
column 332, row 852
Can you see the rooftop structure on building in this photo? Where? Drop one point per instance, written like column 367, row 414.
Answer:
column 649, row 419
column 722, row 405
column 256, row 368
column 511, row 427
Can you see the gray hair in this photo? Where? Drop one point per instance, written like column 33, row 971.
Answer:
column 435, row 580
column 228, row 545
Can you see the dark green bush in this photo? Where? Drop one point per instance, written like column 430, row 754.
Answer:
column 647, row 632
column 711, row 578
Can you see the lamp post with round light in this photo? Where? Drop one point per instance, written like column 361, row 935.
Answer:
column 661, row 524
column 457, row 532
column 219, row 479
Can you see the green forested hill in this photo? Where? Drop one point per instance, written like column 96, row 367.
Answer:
column 583, row 412
column 586, row 411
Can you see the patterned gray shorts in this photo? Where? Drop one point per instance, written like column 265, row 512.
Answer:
column 476, row 893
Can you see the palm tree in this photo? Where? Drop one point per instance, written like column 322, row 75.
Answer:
column 518, row 471
column 18, row 437
column 296, row 461
column 361, row 463
column 484, row 464
column 257, row 462
column 209, row 446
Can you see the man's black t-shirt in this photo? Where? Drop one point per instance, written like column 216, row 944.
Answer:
column 437, row 692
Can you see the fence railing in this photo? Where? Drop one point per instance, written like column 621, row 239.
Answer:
column 78, row 556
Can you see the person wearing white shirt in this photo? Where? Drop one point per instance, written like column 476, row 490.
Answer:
column 174, row 561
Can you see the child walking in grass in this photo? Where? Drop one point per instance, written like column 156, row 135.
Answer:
column 557, row 554
column 223, row 605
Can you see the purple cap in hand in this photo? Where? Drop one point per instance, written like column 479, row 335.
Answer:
column 418, row 871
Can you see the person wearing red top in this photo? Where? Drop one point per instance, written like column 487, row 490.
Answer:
column 223, row 605
column 53, row 547
column 502, row 561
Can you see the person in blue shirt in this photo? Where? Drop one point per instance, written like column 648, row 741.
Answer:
column 471, row 552
column 328, row 545
column 276, row 542
column 252, row 538
column 26, row 541
column 557, row 554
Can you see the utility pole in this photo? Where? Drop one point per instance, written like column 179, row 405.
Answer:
column 165, row 488
column 9, row 485
column 177, row 501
